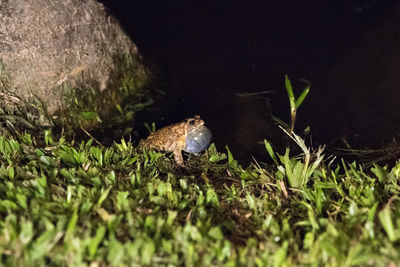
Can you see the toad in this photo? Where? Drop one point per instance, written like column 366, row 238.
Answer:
column 190, row 136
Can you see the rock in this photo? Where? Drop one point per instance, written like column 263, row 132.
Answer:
column 65, row 62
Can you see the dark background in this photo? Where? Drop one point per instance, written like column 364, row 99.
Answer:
column 208, row 51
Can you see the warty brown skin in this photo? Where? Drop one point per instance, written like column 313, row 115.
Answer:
column 172, row 138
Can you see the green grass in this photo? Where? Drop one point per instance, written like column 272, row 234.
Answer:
column 295, row 103
column 75, row 204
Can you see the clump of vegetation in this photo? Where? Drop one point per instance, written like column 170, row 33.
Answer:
column 91, row 109
column 71, row 204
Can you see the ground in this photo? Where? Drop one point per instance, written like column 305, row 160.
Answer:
column 68, row 203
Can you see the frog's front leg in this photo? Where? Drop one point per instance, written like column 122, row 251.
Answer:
column 178, row 157
column 179, row 144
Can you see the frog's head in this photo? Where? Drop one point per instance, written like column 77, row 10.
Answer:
column 194, row 123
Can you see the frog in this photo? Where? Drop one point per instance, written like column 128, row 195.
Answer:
column 190, row 135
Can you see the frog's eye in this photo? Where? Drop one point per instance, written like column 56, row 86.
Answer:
column 191, row 122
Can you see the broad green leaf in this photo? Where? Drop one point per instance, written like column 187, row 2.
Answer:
column 270, row 151
column 385, row 217
column 96, row 240
column 302, row 96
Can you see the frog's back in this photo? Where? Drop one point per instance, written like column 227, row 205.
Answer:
column 168, row 138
